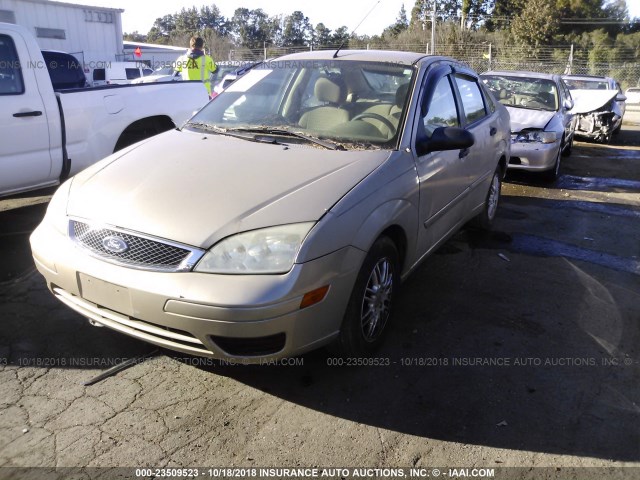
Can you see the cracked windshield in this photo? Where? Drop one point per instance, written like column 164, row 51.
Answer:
column 535, row 94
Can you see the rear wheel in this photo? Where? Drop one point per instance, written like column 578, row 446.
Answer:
column 567, row 149
column 484, row 219
column 370, row 306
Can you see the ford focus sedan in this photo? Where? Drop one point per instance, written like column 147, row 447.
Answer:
column 283, row 216
column 542, row 124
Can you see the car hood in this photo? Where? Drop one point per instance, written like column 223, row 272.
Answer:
column 197, row 188
column 522, row 118
column 585, row 101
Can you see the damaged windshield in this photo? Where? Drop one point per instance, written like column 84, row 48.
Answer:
column 350, row 103
column 520, row 92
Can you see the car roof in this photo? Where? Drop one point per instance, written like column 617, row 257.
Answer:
column 586, row 77
column 523, row 74
column 383, row 56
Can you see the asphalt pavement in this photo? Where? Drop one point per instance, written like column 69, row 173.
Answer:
column 517, row 348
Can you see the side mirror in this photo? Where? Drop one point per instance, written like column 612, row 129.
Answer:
column 568, row 103
column 621, row 97
column 445, row 138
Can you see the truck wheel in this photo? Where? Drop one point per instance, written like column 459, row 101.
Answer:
column 484, row 220
column 370, row 306
column 142, row 129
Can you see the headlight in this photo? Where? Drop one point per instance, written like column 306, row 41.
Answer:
column 57, row 210
column 268, row 250
column 534, row 137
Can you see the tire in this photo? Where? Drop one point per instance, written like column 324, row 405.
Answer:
column 567, row 150
column 553, row 174
column 370, row 308
column 484, row 220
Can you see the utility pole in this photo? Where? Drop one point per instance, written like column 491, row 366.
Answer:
column 433, row 29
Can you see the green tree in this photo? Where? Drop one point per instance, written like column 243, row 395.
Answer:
column 161, row 29
column 445, row 10
column 210, row 17
column 399, row 26
column 251, row 28
column 341, row 37
column 188, row 20
column 134, row 37
column 536, row 25
column 322, row 35
column 297, row 30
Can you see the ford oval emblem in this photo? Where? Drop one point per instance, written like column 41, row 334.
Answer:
column 115, row 244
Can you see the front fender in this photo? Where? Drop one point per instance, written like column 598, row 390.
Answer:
column 360, row 229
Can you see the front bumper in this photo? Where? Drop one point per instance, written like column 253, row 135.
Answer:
column 598, row 126
column 533, row 156
column 241, row 317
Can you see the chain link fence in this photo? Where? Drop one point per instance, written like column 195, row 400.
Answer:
column 485, row 56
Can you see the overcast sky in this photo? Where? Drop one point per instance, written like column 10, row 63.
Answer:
column 140, row 15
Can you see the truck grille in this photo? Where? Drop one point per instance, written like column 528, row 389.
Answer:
column 133, row 249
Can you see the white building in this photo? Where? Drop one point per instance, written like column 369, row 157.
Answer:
column 156, row 56
column 92, row 34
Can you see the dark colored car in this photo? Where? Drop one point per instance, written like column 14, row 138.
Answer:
column 65, row 70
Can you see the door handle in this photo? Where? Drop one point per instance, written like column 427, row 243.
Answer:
column 35, row 113
column 493, row 131
column 463, row 153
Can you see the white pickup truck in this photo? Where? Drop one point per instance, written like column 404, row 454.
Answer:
column 46, row 136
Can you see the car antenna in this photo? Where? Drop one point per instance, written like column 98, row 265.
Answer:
column 335, row 55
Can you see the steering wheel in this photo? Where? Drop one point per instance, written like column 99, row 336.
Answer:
column 387, row 123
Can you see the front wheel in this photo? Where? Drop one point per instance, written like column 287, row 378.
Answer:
column 552, row 174
column 370, row 306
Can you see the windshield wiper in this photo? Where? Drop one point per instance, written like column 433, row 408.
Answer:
column 289, row 133
column 209, row 127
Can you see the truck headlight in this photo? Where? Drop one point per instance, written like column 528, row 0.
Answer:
column 267, row 250
column 534, row 137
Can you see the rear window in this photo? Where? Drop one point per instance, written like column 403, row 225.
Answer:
column 64, row 70
column 98, row 74
column 586, row 84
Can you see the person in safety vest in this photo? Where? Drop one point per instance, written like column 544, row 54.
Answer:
column 195, row 64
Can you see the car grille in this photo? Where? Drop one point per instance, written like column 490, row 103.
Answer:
column 138, row 251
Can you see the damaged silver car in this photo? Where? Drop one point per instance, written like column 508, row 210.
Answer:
column 599, row 106
column 542, row 121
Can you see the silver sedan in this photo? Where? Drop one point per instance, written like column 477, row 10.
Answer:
column 285, row 213
column 542, row 125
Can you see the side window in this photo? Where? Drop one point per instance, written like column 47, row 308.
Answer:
column 442, row 111
column 98, row 74
column 488, row 98
column 10, row 74
column 472, row 101
column 566, row 94
column 132, row 73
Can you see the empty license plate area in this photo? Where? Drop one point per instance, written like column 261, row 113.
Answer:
column 109, row 295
